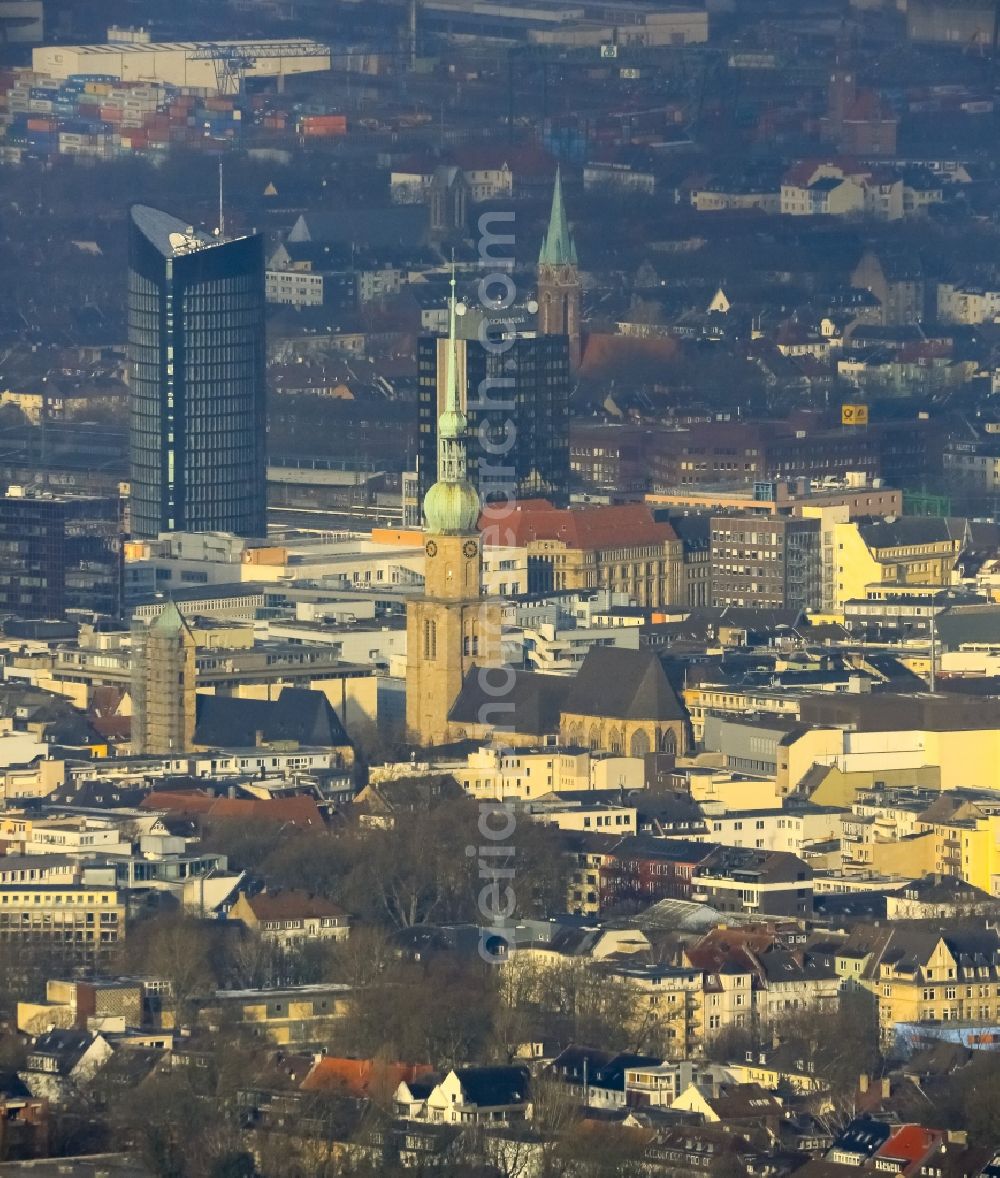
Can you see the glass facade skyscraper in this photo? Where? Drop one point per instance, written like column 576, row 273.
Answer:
column 517, row 405
column 196, row 349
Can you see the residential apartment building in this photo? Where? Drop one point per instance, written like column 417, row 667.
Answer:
column 789, row 829
column 897, row 281
column 927, row 976
column 737, row 879
column 957, row 303
column 919, row 832
column 311, row 288
column 669, row 998
column 523, row 774
column 973, row 467
column 643, row 870
column 820, row 191
column 291, row 918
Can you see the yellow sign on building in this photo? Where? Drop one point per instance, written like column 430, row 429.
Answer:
column 854, row 415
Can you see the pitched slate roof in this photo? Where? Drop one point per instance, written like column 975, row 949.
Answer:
column 624, row 685
column 740, row 1102
column 533, row 705
column 909, row 530
column 571, row 1061
column 969, row 623
column 664, row 850
column 491, row 1087
column 422, row 1086
column 611, row 1075
column 298, row 715
column 399, row 226
column 128, row 1068
column 67, row 1046
column 862, row 1136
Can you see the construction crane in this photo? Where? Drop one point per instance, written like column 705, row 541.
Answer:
column 233, row 59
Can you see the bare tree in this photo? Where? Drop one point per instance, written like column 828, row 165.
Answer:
column 176, row 948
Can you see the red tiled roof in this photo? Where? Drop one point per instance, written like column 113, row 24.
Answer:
column 297, row 811
column 712, row 958
column 106, row 701
column 585, row 527
column 178, row 802
column 910, row 1144
column 358, row 1076
column 603, row 351
column 291, row 905
column 522, row 161
column 728, row 944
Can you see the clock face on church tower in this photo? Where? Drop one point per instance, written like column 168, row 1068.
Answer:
column 470, row 548
column 430, row 548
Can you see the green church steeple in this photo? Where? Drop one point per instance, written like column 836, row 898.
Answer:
column 451, row 505
column 558, row 247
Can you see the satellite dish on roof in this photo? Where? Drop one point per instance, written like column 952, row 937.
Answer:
column 184, row 243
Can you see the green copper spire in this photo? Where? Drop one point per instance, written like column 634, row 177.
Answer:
column 558, row 247
column 452, row 423
column 452, row 505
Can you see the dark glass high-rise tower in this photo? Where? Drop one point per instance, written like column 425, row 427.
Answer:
column 196, row 348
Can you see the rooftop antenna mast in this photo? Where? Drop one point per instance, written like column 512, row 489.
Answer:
column 222, row 210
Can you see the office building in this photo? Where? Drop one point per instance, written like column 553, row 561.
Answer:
column 59, row 553
column 517, row 406
column 32, row 556
column 196, row 348
column 80, row 922
column 766, row 562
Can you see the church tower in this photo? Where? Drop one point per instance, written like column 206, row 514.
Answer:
column 451, row 628
column 164, row 682
column 560, row 293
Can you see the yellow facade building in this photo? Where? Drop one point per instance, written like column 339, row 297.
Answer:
column 82, row 923
column 908, row 551
column 621, row 548
column 925, row 976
